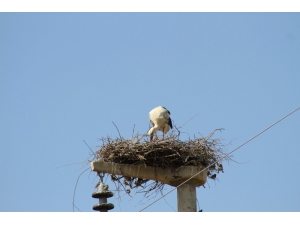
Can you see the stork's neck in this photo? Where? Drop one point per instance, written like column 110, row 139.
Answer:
column 153, row 130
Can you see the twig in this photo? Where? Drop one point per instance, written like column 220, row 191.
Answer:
column 117, row 129
column 189, row 120
column 212, row 133
column 133, row 131
column 70, row 164
column 89, row 148
column 178, row 131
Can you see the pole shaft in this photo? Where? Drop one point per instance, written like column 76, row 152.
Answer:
column 186, row 198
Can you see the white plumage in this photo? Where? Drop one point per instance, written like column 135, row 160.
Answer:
column 160, row 119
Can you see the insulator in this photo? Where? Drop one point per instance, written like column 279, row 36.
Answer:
column 102, row 194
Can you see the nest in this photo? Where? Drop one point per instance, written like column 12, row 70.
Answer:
column 169, row 152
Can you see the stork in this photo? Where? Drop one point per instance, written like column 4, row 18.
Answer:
column 160, row 120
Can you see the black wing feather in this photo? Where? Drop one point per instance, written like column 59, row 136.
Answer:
column 167, row 110
column 170, row 123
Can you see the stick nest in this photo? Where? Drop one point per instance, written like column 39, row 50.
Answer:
column 169, row 152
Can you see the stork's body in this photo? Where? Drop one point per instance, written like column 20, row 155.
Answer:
column 160, row 119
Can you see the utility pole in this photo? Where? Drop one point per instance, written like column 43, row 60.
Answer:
column 186, row 193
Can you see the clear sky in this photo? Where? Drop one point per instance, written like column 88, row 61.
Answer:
column 64, row 77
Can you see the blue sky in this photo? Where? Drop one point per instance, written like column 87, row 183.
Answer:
column 64, row 77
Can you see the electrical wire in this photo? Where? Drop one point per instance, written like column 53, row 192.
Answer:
column 226, row 155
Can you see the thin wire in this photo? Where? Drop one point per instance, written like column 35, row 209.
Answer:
column 226, row 155
column 76, row 187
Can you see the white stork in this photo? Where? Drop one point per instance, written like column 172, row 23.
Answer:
column 160, row 119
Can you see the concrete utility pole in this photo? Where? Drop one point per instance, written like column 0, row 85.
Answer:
column 186, row 193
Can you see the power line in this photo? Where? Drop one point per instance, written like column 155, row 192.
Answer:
column 226, row 155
